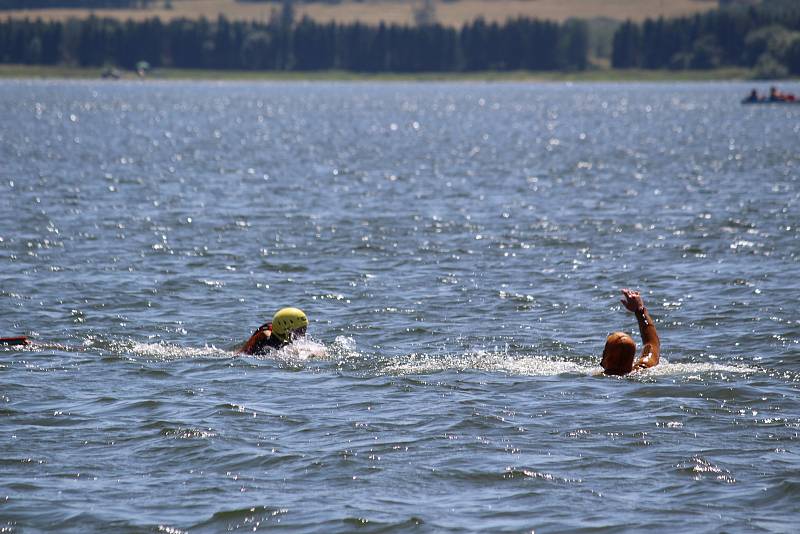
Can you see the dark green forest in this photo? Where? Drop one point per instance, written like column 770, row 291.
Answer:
column 519, row 44
column 764, row 37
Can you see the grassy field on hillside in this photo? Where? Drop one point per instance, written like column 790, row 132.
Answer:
column 398, row 11
column 600, row 75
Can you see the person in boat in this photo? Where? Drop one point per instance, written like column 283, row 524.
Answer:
column 777, row 96
column 620, row 350
column 753, row 97
column 287, row 325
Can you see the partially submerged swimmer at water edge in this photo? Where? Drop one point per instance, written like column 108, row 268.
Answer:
column 287, row 325
column 620, row 349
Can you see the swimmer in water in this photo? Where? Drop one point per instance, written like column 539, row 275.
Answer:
column 287, row 325
column 620, row 349
column 12, row 341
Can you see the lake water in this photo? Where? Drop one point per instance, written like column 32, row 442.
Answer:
column 459, row 250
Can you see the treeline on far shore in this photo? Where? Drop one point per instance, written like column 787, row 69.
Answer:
column 282, row 44
column 764, row 37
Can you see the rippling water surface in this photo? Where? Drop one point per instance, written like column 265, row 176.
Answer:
column 459, row 250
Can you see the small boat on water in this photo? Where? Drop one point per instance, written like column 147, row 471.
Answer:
column 774, row 97
column 747, row 101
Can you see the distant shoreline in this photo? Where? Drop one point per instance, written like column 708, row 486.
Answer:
column 596, row 75
column 373, row 12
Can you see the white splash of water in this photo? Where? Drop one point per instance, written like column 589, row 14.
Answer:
column 165, row 351
column 543, row 366
column 300, row 350
column 695, row 370
column 344, row 349
column 486, row 361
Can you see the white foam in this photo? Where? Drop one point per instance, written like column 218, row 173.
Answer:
column 487, row 361
column 166, row 351
column 299, row 350
column 665, row 368
column 543, row 366
column 344, row 349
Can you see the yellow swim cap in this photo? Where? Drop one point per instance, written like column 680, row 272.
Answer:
column 286, row 321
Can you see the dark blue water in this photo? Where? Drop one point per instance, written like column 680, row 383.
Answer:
column 459, row 250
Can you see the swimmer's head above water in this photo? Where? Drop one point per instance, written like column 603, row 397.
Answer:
column 620, row 350
column 287, row 325
column 618, row 354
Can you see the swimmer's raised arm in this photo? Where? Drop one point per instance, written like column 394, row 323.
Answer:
column 651, row 349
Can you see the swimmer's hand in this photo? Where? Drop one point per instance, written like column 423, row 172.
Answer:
column 632, row 301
